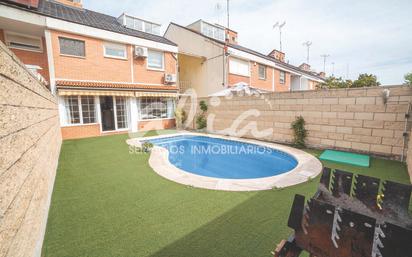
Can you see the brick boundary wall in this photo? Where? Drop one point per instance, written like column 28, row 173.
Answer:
column 30, row 141
column 346, row 119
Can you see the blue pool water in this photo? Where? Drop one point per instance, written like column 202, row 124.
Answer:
column 220, row 158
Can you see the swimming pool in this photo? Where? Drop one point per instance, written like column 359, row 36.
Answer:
column 222, row 158
column 226, row 163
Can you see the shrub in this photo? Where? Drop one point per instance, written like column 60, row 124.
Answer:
column 203, row 106
column 181, row 117
column 299, row 132
column 147, row 147
column 201, row 122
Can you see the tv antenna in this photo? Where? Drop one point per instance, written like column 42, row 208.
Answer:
column 280, row 26
column 307, row 44
column 227, row 9
column 324, row 56
column 218, row 8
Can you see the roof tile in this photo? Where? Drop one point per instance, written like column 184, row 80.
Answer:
column 88, row 18
column 111, row 85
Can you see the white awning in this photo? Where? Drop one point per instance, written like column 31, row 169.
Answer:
column 64, row 92
column 156, row 94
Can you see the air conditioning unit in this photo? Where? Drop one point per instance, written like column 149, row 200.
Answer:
column 170, row 78
column 140, row 52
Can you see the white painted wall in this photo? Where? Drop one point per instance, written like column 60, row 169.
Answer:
column 295, row 83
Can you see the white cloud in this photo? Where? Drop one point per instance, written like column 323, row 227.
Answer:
column 369, row 36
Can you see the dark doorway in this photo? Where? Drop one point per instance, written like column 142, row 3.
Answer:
column 106, row 108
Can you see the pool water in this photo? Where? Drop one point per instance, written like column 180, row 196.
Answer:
column 221, row 158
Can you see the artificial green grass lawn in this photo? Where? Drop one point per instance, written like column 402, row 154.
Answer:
column 108, row 202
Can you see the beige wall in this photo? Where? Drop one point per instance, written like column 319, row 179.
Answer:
column 200, row 56
column 29, row 150
column 347, row 119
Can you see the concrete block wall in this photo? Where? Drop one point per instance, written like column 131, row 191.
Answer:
column 30, row 142
column 346, row 119
column 409, row 156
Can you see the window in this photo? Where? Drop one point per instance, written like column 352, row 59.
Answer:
column 155, row 29
column 130, row 22
column 72, row 109
column 80, row 109
column 262, row 71
column 213, row 31
column 114, row 50
column 15, row 40
column 282, row 77
column 88, row 109
column 148, row 27
column 72, row 47
column 139, row 24
column 156, row 108
column 121, row 112
column 239, row 67
column 155, row 60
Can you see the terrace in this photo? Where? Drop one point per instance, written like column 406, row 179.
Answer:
column 107, row 202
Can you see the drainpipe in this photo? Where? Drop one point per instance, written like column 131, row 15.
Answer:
column 405, row 132
column 224, row 66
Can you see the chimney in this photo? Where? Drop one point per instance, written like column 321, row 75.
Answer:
column 231, row 36
column 322, row 74
column 278, row 55
column 73, row 3
column 304, row 66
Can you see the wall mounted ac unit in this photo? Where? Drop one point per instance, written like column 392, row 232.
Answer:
column 140, row 52
column 170, row 78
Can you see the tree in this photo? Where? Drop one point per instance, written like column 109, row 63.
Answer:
column 408, row 79
column 334, row 82
column 366, row 80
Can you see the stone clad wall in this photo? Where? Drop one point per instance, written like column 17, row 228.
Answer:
column 29, row 150
column 346, row 119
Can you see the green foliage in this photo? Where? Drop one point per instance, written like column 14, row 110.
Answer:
column 334, row 82
column 201, row 120
column 366, row 80
column 408, row 79
column 147, row 147
column 299, row 132
column 180, row 116
column 203, row 106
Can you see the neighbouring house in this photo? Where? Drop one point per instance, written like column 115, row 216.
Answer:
column 211, row 58
column 111, row 75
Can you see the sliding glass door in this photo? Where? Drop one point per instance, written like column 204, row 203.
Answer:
column 114, row 113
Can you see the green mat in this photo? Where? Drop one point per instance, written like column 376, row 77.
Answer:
column 346, row 158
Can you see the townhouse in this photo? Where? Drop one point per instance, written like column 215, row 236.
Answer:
column 210, row 58
column 110, row 74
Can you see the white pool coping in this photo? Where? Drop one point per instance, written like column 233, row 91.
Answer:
column 308, row 167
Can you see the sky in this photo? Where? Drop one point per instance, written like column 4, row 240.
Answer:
column 367, row 36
